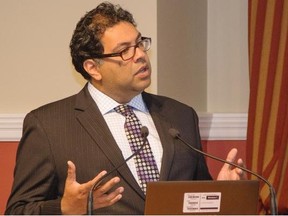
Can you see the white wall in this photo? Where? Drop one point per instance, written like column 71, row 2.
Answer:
column 203, row 53
column 227, row 56
column 182, row 51
column 35, row 64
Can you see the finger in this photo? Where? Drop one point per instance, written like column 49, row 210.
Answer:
column 98, row 177
column 91, row 183
column 109, row 199
column 230, row 158
column 232, row 155
column 107, row 186
column 107, row 203
column 71, row 172
column 242, row 174
column 115, row 199
column 240, row 163
column 116, row 195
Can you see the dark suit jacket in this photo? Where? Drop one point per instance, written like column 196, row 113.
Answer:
column 74, row 129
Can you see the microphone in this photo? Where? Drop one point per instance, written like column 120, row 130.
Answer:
column 176, row 135
column 144, row 134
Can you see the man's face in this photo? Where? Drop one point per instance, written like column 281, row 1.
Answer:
column 122, row 80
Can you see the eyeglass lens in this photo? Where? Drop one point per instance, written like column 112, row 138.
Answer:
column 129, row 52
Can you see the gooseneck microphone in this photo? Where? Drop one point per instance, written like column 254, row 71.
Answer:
column 176, row 135
column 144, row 134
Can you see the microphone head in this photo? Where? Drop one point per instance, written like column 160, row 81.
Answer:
column 174, row 133
column 144, row 131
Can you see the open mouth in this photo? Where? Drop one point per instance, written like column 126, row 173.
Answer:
column 142, row 70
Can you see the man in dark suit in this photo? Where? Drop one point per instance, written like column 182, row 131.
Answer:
column 84, row 131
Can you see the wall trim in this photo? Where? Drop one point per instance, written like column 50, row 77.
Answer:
column 11, row 126
column 213, row 126
column 223, row 126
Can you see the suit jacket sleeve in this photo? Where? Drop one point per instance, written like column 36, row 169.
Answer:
column 69, row 129
column 75, row 130
column 31, row 171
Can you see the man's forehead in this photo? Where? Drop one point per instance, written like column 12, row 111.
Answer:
column 120, row 35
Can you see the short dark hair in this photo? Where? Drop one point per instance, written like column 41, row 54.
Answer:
column 85, row 41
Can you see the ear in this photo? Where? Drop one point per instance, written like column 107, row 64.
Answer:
column 92, row 68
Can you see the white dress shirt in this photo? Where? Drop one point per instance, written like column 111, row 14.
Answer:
column 115, row 122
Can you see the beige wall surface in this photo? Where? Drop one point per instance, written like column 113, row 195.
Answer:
column 203, row 53
column 182, row 51
column 227, row 56
column 35, row 63
column 211, row 75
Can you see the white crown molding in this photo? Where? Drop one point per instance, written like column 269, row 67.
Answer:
column 213, row 126
column 223, row 126
column 11, row 126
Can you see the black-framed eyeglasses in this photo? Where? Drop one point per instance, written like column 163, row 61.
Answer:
column 129, row 52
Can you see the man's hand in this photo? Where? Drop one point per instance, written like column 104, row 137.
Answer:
column 74, row 200
column 231, row 173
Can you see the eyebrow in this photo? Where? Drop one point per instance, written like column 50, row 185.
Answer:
column 125, row 44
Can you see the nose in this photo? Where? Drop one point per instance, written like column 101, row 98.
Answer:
column 139, row 54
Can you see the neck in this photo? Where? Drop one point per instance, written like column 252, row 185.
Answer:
column 121, row 98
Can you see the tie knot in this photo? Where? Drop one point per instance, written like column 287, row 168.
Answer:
column 124, row 110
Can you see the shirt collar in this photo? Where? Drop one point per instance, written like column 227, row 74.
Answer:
column 107, row 104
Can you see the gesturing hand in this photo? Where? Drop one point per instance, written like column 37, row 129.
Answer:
column 231, row 173
column 74, row 200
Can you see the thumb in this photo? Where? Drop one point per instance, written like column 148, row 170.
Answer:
column 71, row 172
column 231, row 157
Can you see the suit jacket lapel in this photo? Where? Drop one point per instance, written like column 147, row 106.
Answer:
column 93, row 122
column 162, row 126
